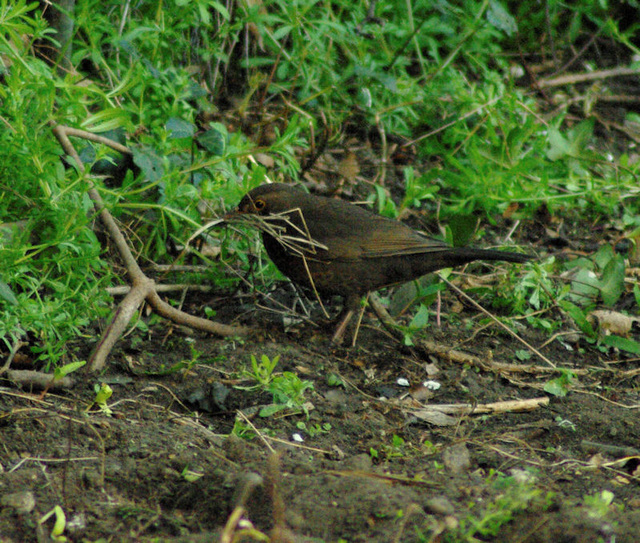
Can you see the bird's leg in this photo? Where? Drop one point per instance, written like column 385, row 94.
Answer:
column 383, row 316
column 350, row 304
column 360, row 315
column 345, row 317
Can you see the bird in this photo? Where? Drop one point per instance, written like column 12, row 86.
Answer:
column 334, row 247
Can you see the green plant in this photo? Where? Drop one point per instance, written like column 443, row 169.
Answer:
column 565, row 423
column 103, row 393
column 397, row 447
column 512, row 495
column 314, row 430
column 184, row 365
column 287, row 388
column 600, row 504
column 599, row 279
column 288, row 393
column 261, row 372
column 242, row 430
column 334, row 380
column 561, row 385
column 59, row 525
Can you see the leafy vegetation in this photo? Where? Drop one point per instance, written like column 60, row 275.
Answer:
column 513, row 494
column 212, row 99
column 286, row 388
column 450, row 115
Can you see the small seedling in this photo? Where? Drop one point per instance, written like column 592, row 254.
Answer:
column 287, row 389
column 598, row 505
column 314, row 430
column 560, row 386
column 261, row 372
column 513, row 495
column 60, row 523
column 288, row 393
column 103, row 393
column 243, row 430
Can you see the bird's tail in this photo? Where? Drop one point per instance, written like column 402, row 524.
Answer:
column 463, row 255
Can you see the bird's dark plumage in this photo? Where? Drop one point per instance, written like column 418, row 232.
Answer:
column 360, row 251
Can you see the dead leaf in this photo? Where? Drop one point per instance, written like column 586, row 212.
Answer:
column 611, row 322
column 266, row 160
column 457, row 458
column 435, row 417
column 349, row 167
column 511, row 209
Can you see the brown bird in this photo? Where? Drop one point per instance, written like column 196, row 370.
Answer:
column 337, row 248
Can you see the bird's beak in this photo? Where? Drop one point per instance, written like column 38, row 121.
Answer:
column 232, row 214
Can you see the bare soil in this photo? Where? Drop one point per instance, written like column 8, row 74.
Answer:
column 373, row 464
column 183, row 454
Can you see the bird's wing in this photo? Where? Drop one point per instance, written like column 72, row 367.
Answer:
column 382, row 238
column 351, row 233
column 399, row 240
column 395, row 247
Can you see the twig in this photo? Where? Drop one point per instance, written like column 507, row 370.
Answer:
column 258, row 432
column 143, row 288
column 16, row 347
column 178, row 287
column 38, row 379
column 502, row 325
column 509, row 406
column 571, row 79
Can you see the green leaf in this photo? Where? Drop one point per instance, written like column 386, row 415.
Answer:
column 180, row 128
column 555, row 389
column 420, row 319
column 558, row 145
column 220, row 9
column 107, row 119
column 578, row 316
column 612, row 282
column 581, row 136
column 214, row 141
column 149, row 162
column 585, row 287
column 604, row 256
column 59, row 373
column 622, row 343
column 499, row 17
column 7, row 294
column 103, row 393
column 561, row 385
column 271, row 410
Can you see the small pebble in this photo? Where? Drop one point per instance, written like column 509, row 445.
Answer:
column 440, row 505
column 22, row 502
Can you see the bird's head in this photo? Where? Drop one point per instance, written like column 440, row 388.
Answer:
column 269, row 199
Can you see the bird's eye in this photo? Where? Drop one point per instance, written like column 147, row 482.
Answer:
column 259, row 204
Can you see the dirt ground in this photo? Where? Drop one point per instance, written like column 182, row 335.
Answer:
column 374, row 463
column 453, row 439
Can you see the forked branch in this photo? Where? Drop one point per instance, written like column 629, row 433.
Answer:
column 142, row 287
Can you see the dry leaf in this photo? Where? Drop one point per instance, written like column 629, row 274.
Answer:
column 349, row 167
column 511, row 209
column 266, row 160
column 611, row 322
